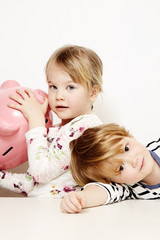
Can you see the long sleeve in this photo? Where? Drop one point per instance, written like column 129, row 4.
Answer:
column 49, row 155
column 19, row 183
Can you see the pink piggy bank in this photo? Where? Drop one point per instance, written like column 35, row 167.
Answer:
column 13, row 126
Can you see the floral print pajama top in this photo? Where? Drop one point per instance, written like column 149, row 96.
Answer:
column 49, row 156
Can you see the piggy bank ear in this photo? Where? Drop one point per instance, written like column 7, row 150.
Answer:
column 8, row 129
column 9, row 84
column 40, row 94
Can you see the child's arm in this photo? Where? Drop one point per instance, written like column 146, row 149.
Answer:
column 95, row 194
column 120, row 192
column 91, row 196
column 19, row 183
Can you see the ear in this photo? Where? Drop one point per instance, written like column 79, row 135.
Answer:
column 9, row 84
column 94, row 93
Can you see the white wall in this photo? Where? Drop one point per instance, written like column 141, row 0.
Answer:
column 125, row 33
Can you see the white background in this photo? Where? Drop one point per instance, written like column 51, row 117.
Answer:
column 124, row 33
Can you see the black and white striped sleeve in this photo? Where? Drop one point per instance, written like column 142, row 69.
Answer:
column 119, row 192
column 116, row 192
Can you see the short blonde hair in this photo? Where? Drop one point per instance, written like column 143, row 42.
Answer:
column 82, row 64
column 94, row 147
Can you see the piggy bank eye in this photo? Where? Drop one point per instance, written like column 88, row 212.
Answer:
column 46, row 121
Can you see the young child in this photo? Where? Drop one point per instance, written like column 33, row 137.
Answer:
column 74, row 77
column 118, row 166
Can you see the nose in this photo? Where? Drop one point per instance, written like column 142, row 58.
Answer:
column 60, row 95
column 134, row 162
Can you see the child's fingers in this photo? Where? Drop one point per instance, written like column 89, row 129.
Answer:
column 68, row 207
column 23, row 93
column 65, row 208
column 16, row 99
column 15, row 106
column 75, row 199
column 81, row 199
column 71, row 204
column 28, row 92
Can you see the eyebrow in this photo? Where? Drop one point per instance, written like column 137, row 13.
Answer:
column 49, row 82
column 67, row 82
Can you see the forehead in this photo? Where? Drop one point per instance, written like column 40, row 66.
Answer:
column 56, row 74
column 130, row 140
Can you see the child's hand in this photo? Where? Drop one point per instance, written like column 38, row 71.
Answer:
column 33, row 111
column 73, row 202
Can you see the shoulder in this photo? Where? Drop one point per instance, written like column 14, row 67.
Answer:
column 90, row 120
column 154, row 146
column 79, row 124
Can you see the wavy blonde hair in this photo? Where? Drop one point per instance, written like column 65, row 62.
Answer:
column 82, row 64
column 92, row 149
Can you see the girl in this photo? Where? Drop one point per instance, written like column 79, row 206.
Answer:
column 74, row 77
column 120, row 167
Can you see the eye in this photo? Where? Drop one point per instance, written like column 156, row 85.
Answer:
column 126, row 148
column 121, row 168
column 53, row 87
column 70, row 87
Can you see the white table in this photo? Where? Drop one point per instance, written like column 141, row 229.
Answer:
column 41, row 219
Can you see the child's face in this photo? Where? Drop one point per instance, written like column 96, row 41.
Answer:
column 137, row 163
column 66, row 98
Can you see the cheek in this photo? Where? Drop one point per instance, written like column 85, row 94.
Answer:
column 133, row 178
column 76, row 105
column 51, row 101
column 75, row 100
column 51, row 94
column 129, row 177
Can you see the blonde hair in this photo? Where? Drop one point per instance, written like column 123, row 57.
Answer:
column 83, row 65
column 94, row 147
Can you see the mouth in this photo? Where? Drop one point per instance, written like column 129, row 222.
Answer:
column 61, row 107
column 142, row 164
